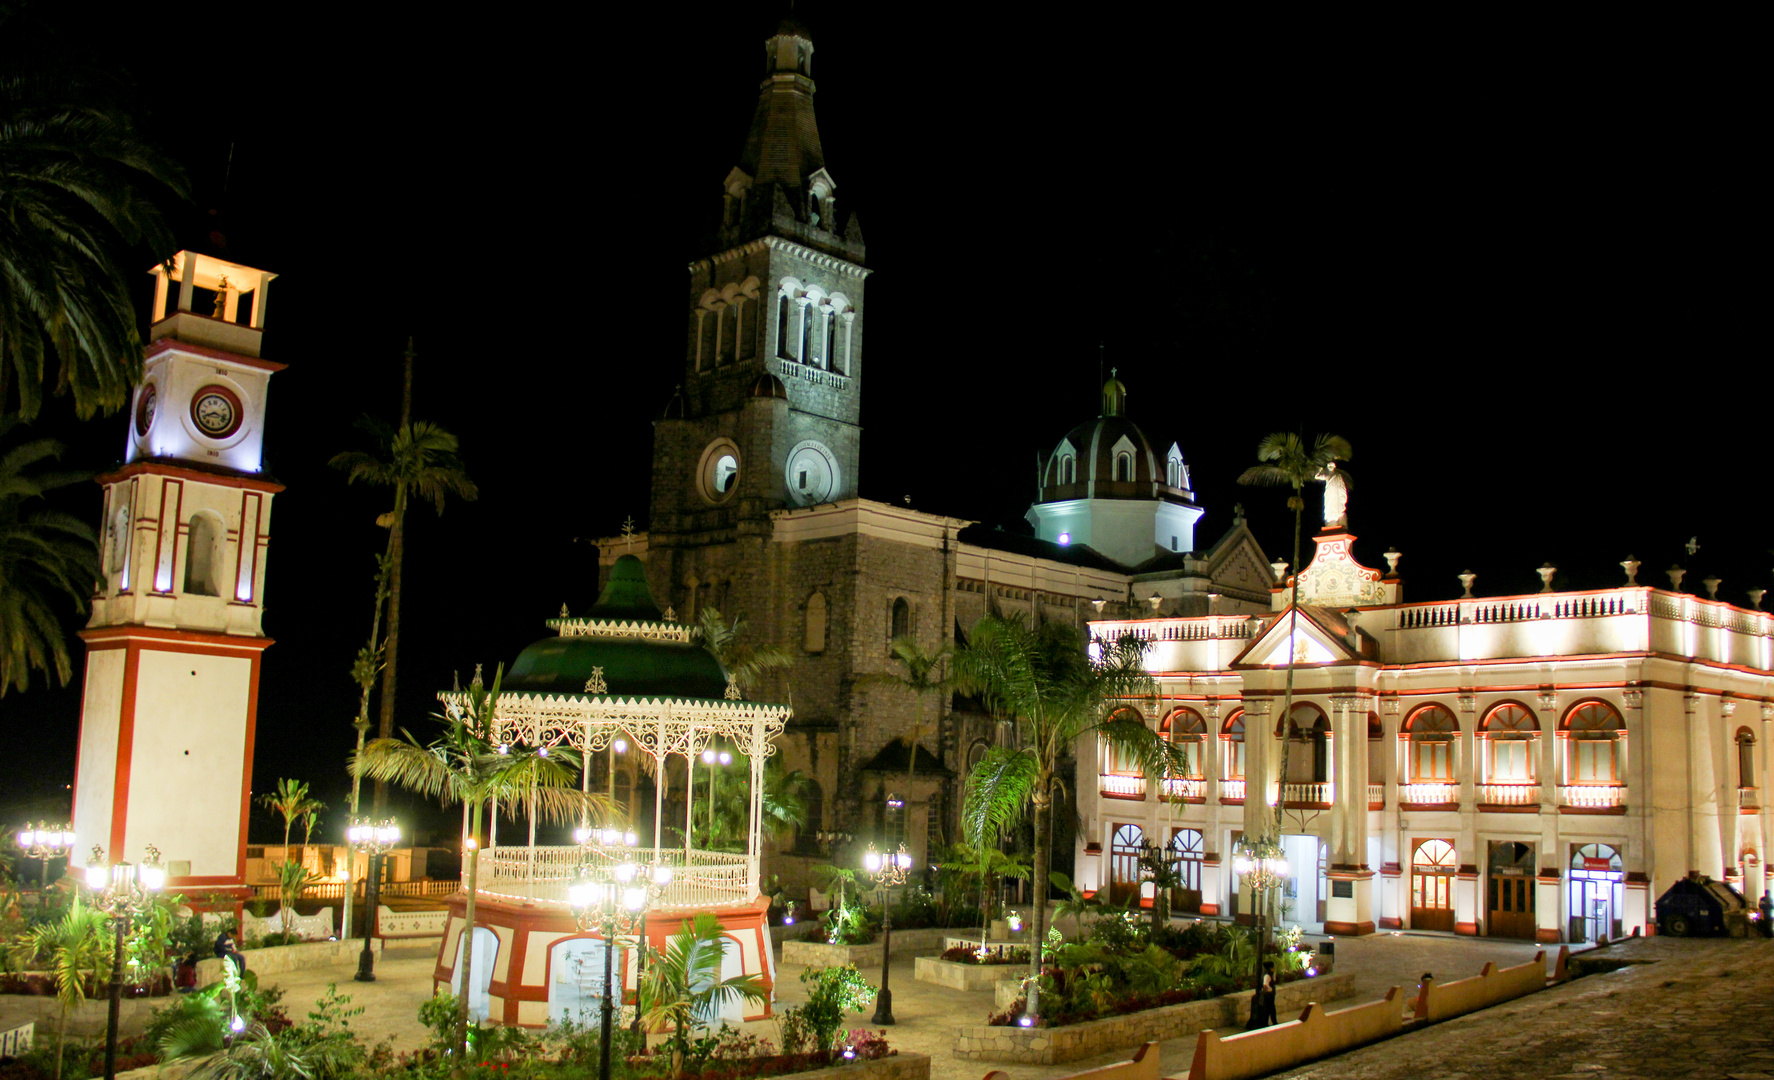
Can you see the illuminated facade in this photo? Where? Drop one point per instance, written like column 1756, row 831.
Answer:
column 1539, row 766
column 173, row 645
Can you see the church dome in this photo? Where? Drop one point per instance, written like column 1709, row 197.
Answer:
column 1111, row 458
column 624, row 643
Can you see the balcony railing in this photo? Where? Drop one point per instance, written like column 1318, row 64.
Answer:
column 1317, row 793
column 1747, row 799
column 1593, row 796
column 1430, row 794
column 1184, row 790
column 1376, row 796
column 1508, row 794
column 700, row 879
column 1232, row 790
column 1118, row 786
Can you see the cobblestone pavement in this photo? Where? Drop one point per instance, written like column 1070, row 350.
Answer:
column 391, row 1003
column 1702, row 1010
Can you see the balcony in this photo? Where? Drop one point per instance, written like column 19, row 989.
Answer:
column 1593, row 798
column 1306, row 796
column 1232, row 791
column 1747, row 799
column 1185, row 789
column 1508, row 796
column 1119, row 786
column 700, row 879
column 1429, row 795
column 1376, row 796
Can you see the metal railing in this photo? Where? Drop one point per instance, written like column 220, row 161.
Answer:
column 1184, row 789
column 700, row 879
column 1508, row 794
column 1593, row 796
column 1430, row 794
column 1127, row 787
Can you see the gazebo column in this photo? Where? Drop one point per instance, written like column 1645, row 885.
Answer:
column 689, row 796
column 755, row 846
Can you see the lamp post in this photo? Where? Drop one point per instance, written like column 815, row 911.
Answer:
column 374, row 839
column 122, row 890
column 45, row 842
column 1261, row 865
column 713, row 757
column 614, row 899
column 885, row 872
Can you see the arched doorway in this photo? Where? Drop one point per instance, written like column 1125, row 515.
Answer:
column 1124, row 863
column 1598, row 886
column 486, row 948
column 1187, row 848
column 1509, row 891
column 1433, row 866
column 576, row 979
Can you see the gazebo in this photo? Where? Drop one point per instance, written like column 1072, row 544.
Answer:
column 624, row 670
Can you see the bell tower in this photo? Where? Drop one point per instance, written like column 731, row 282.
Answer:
column 173, row 645
column 767, row 415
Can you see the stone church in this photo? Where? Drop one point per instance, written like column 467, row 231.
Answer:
column 754, row 508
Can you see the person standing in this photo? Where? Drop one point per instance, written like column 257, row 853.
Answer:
column 1262, row 1003
column 1766, row 907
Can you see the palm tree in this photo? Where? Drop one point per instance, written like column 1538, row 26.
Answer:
column 416, row 459
column 292, row 801
column 991, row 865
column 47, row 559
column 1043, row 679
column 1288, row 463
column 79, row 199
column 365, row 669
column 744, row 664
column 292, row 878
column 925, row 674
column 78, row 950
column 682, row 986
column 463, row 765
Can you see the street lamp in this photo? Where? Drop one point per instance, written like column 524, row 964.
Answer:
column 614, row 899
column 1262, row 866
column 374, row 839
column 122, row 890
column 45, row 841
column 885, row 872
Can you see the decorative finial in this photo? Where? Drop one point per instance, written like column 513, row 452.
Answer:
column 732, row 689
column 1280, row 568
column 1693, row 546
column 1755, row 597
column 1631, row 566
column 1676, row 574
column 221, row 310
column 1392, row 555
column 627, row 533
column 596, row 684
column 1712, row 586
column 476, row 684
column 1466, row 579
column 671, row 613
column 1546, row 571
column 1237, row 513
column 565, row 614
column 455, row 681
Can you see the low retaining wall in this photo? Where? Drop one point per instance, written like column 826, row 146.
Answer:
column 1316, row 1034
column 283, row 958
column 897, row 1066
column 409, row 924
column 87, row 1020
column 958, row 976
column 1051, row 1046
column 924, row 942
column 1489, row 987
column 1142, row 1066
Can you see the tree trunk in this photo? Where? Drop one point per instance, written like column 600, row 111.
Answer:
column 1038, row 925
column 396, row 555
column 1287, row 701
column 468, row 934
column 362, row 724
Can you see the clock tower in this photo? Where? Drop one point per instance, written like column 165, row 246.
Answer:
column 173, row 646
column 767, row 413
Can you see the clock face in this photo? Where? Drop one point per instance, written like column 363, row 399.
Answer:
column 812, row 473
column 216, row 411
column 145, row 406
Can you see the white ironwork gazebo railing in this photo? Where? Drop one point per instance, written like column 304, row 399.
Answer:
column 1509, row 794
column 1593, row 796
column 1128, row 787
column 704, row 879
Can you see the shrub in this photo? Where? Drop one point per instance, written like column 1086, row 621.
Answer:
column 836, row 991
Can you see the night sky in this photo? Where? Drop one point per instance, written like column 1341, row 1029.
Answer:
column 1510, row 263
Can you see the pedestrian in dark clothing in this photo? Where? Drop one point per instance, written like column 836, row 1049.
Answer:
column 226, row 950
column 1766, row 907
column 1262, row 1003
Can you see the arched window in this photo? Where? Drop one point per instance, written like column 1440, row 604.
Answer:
column 1507, row 738
column 1124, row 468
column 1309, row 762
column 1593, row 735
column 1431, row 731
column 1068, row 470
column 1187, row 731
column 203, row 556
column 1746, row 759
column 976, row 754
column 1173, row 473
column 120, row 541
column 1232, row 734
column 1124, row 863
column 783, row 306
column 814, row 638
column 899, row 621
column 1119, row 760
column 1187, row 850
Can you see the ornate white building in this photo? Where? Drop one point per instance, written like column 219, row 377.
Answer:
column 1539, row 766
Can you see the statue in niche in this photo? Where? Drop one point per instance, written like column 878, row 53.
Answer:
column 1336, row 497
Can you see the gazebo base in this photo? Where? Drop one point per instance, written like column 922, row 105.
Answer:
column 533, row 965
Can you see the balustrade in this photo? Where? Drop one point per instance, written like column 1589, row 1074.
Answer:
column 1593, row 796
column 699, row 878
column 1309, row 794
column 1232, row 790
column 1126, row 787
column 1431, row 794
column 1184, row 789
column 1508, row 794
column 1747, row 799
column 1376, row 796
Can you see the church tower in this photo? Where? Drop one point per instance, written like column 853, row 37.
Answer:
column 767, row 414
column 173, row 646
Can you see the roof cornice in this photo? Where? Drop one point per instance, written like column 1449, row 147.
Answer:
column 787, row 247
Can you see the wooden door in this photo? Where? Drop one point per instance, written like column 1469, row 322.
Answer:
column 1511, row 906
column 1432, row 886
column 1124, row 863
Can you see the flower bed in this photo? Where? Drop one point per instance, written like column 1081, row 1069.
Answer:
column 1052, row 1045
column 957, row 975
column 923, row 942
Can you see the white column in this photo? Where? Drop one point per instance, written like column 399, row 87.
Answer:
column 187, row 281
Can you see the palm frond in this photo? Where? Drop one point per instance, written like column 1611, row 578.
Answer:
column 997, row 794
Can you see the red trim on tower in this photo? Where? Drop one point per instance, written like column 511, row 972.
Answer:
column 246, row 771
column 126, row 732
column 162, row 467
column 167, row 344
column 116, row 637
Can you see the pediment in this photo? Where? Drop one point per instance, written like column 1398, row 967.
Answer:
column 1311, row 643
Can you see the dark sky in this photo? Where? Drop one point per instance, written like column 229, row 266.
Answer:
column 1511, row 262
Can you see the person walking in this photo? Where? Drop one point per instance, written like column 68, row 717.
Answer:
column 1262, row 1003
column 1766, row 907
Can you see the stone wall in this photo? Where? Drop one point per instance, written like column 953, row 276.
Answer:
column 896, row 1066
column 957, row 976
column 282, row 958
column 924, row 942
column 1050, row 1046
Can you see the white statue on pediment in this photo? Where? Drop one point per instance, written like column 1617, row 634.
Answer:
column 1336, row 498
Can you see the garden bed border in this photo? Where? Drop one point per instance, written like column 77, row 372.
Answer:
column 924, row 941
